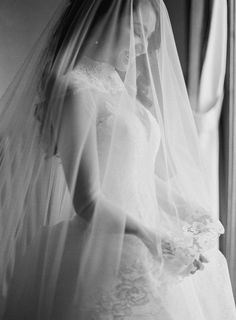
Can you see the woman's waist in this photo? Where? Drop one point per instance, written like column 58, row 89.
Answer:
column 134, row 190
column 140, row 203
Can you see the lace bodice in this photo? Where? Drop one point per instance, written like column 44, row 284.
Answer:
column 128, row 141
column 131, row 177
column 135, row 138
column 138, row 289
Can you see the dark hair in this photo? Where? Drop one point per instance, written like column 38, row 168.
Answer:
column 66, row 26
column 59, row 42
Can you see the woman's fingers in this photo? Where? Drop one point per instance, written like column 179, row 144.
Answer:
column 198, row 264
column 203, row 259
column 168, row 252
column 193, row 271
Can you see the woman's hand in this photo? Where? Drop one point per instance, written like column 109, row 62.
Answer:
column 199, row 264
column 151, row 240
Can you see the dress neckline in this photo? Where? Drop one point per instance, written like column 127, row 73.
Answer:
column 108, row 69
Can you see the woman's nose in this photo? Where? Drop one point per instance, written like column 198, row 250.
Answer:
column 140, row 49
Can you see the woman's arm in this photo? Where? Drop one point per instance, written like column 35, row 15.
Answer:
column 77, row 147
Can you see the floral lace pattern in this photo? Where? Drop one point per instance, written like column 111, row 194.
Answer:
column 203, row 229
column 138, row 289
column 200, row 233
column 136, row 292
column 99, row 75
column 205, row 234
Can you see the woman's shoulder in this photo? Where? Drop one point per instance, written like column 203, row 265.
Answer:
column 94, row 75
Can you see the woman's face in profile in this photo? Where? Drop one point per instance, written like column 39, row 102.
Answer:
column 144, row 24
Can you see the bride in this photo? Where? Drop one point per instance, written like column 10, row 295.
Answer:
column 104, row 210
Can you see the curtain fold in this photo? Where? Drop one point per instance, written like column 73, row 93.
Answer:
column 206, row 85
column 228, row 151
column 210, row 97
column 195, row 47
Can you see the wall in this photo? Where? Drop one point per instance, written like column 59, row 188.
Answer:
column 21, row 22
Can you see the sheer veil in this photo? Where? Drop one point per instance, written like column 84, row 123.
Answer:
column 99, row 56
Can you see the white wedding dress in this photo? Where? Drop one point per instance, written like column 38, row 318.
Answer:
column 206, row 295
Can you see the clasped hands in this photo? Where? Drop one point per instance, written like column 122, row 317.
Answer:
column 169, row 252
column 150, row 239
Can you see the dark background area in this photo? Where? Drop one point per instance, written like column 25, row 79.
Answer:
column 21, row 22
column 180, row 20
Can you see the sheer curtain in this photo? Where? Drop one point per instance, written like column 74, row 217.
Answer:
column 207, row 64
column 213, row 101
column 209, row 96
column 228, row 151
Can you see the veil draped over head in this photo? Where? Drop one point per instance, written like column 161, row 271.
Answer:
column 104, row 73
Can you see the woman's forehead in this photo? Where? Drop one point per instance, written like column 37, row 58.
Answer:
column 145, row 15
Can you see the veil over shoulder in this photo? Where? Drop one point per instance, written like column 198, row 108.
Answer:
column 97, row 135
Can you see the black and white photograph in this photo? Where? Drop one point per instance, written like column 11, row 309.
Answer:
column 117, row 159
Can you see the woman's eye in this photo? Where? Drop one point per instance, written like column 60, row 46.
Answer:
column 138, row 32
